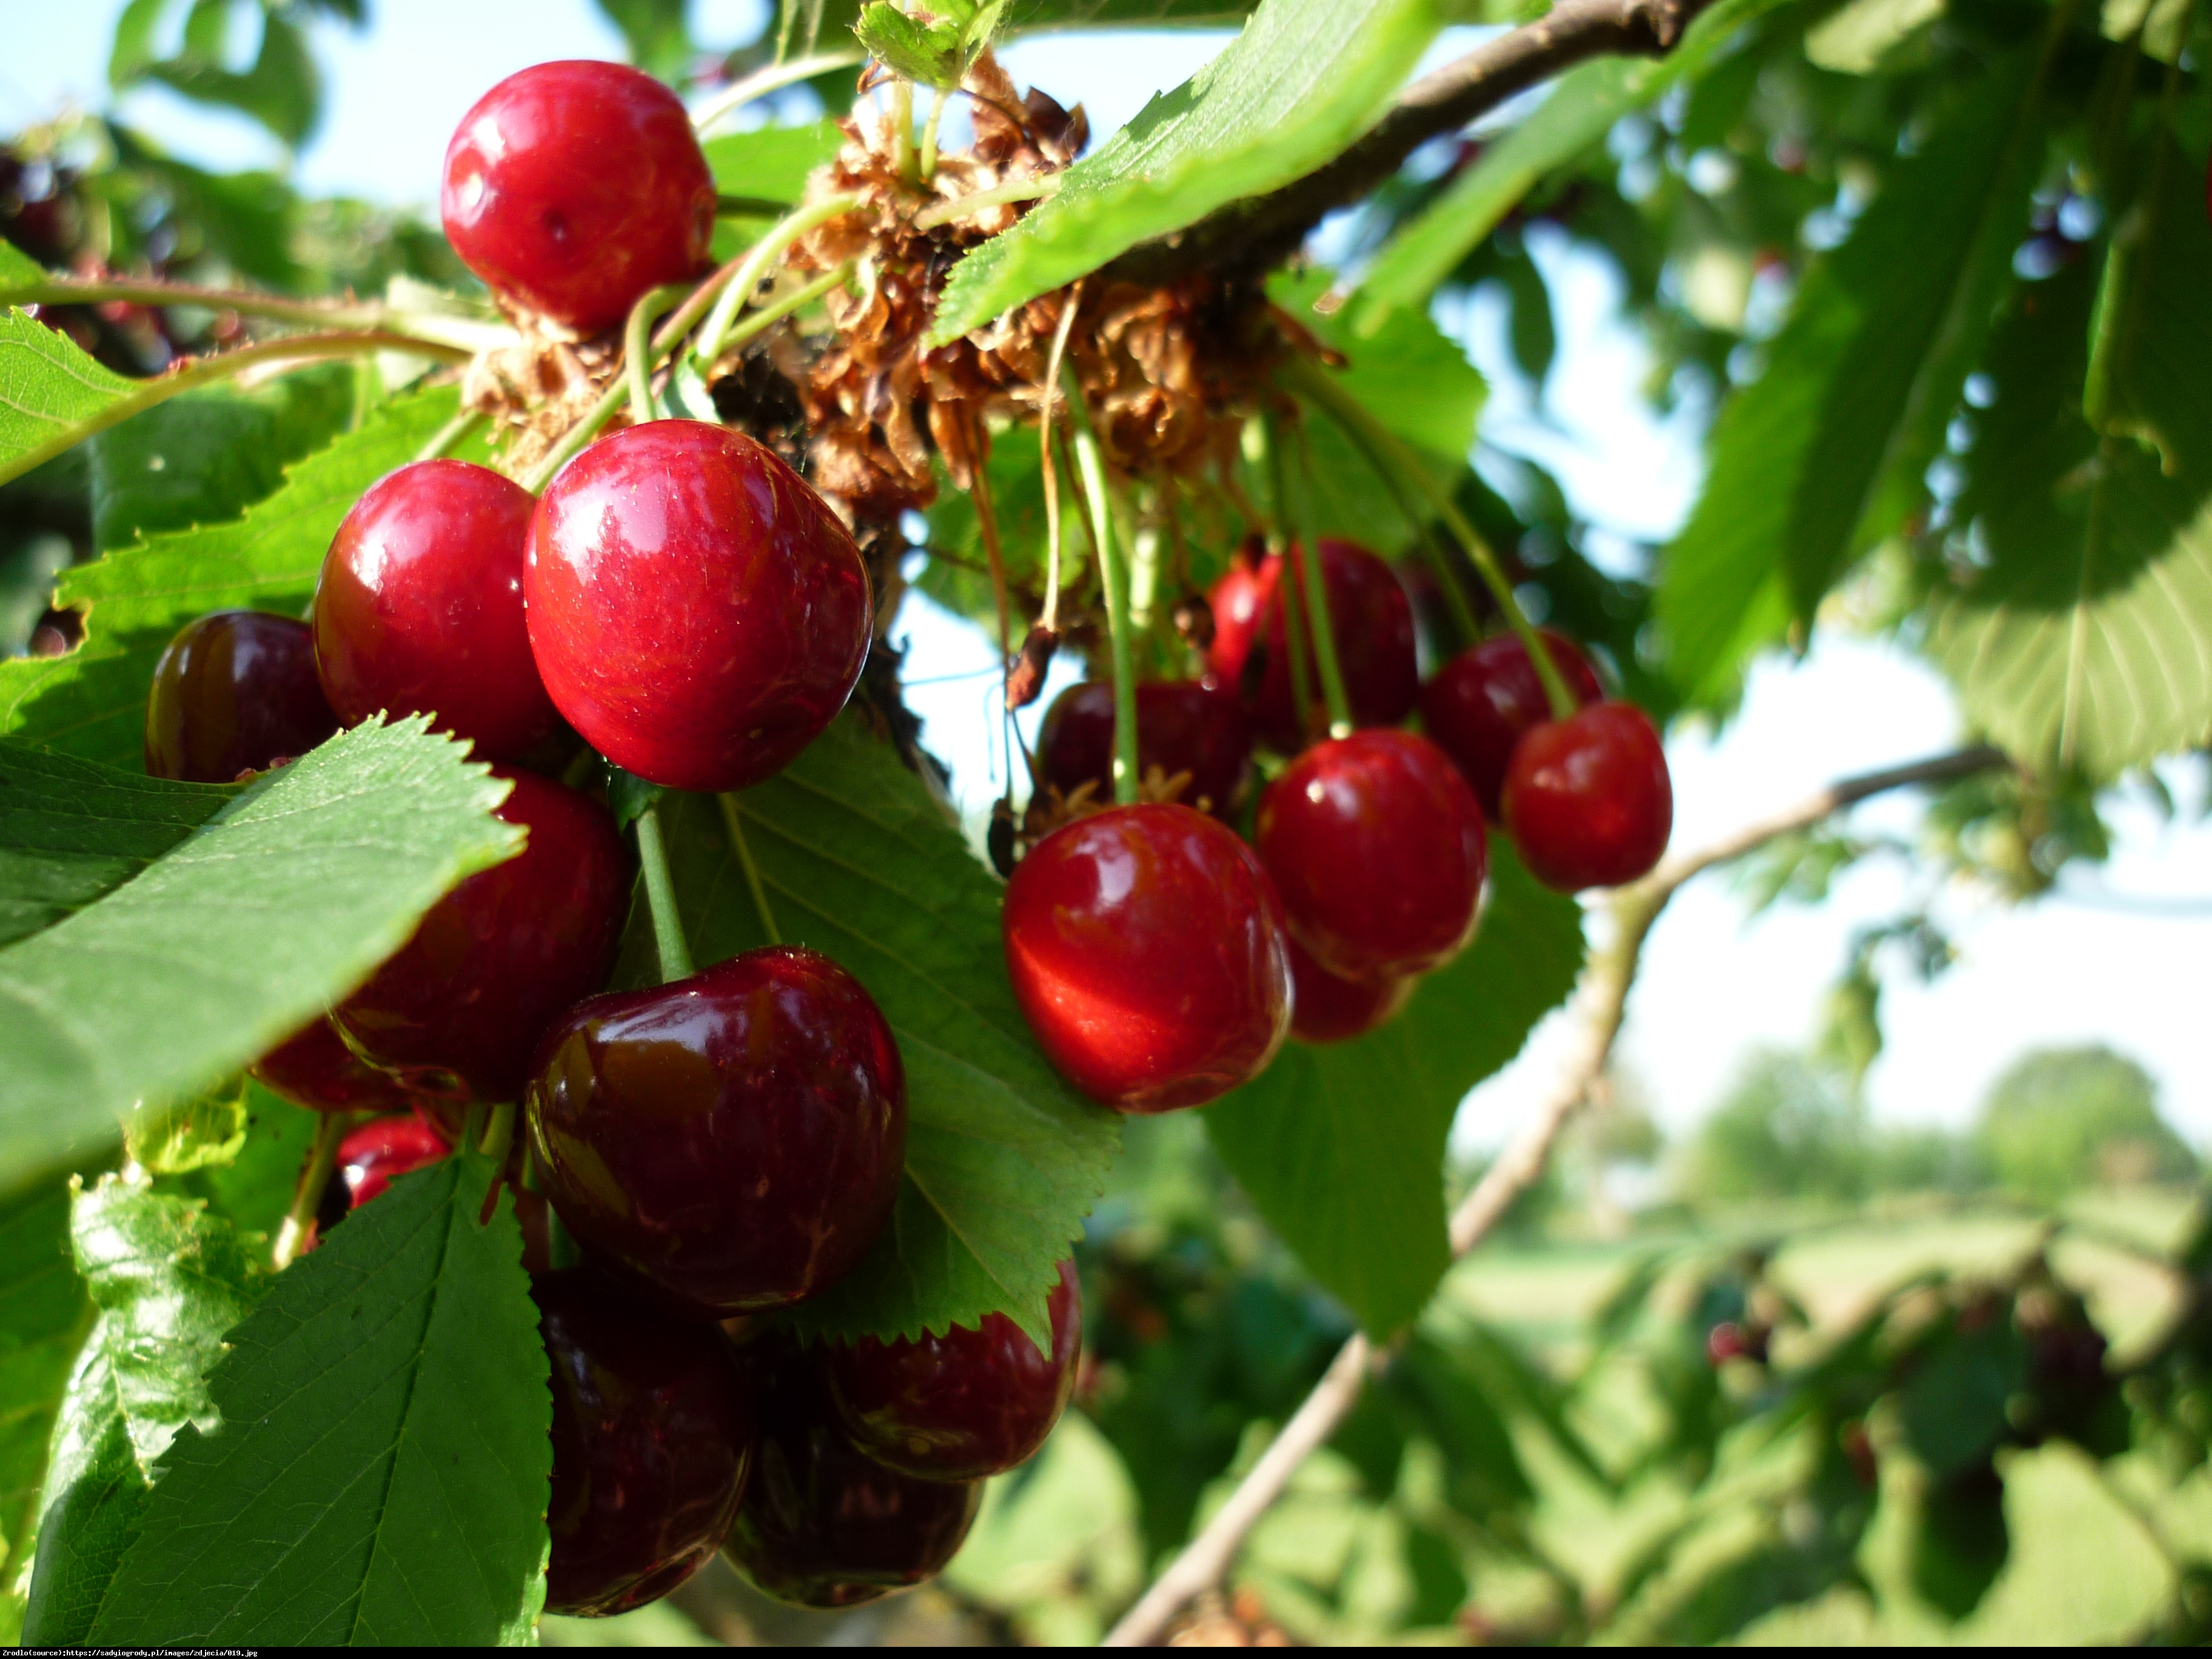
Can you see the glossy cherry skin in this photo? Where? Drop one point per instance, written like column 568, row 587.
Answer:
column 314, row 1069
column 968, row 1404
column 1148, row 955
column 1588, row 800
column 458, row 1010
column 653, row 1435
column 1183, row 726
column 571, row 188
column 1375, row 844
column 734, row 1139
column 1373, row 623
column 234, row 692
column 372, row 1157
column 1331, row 1009
column 822, row 1523
column 698, row 612
column 419, row 608
column 1477, row 706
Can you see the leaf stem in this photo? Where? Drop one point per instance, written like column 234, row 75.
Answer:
column 1389, row 455
column 206, row 371
column 637, row 350
column 660, row 899
column 735, row 824
column 754, row 266
column 1299, row 552
column 1113, row 582
column 307, row 1196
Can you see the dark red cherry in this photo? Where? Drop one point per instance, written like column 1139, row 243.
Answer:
column 372, row 1157
column 1183, row 726
column 458, row 1010
column 652, row 1434
column 698, row 612
column 1373, row 623
column 419, row 608
column 968, row 1404
column 234, row 692
column 1375, row 844
column 1478, row 705
column 1589, row 799
column 1147, row 953
column 822, row 1523
column 1331, row 1009
column 571, row 188
column 314, row 1069
column 735, row 1139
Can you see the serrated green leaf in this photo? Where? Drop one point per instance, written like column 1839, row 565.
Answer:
column 771, row 162
column 1826, row 453
column 1575, row 115
column 254, row 1189
column 183, row 952
column 2087, row 641
column 204, row 1132
column 1342, row 1147
column 168, row 1281
column 47, row 388
column 1003, row 1159
column 1303, row 79
column 1415, row 377
column 379, row 1471
column 282, row 90
column 43, row 1317
column 17, row 266
column 928, row 52
column 93, row 702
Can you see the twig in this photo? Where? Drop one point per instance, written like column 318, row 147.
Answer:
column 1599, row 1002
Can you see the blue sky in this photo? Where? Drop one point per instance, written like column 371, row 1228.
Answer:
column 2117, row 956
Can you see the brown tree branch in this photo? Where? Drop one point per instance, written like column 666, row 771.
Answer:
column 1259, row 233
column 1599, row 1003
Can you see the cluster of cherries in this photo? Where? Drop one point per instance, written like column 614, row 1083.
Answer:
column 1162, row 960
column 718, row 1148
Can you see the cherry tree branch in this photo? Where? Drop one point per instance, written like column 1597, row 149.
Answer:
column 1598, row 1005
column 1259, row 233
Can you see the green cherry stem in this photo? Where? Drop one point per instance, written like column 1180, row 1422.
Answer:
column 754, row 265
column 307, row 1196
column 733, row 821
column 1298, row 551
column 660, row 899
column 637, row 350
column 1390, row 456
column 1113, row 582
column 928, row 168
column 499, row 1133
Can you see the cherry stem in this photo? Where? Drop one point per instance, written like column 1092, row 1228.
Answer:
column 754, row 266
column 307, row 1196
column 928, row 168
column 432, row 327
column 448, row 437
column 660, row 899
column 903, row 130
column 1050, row 617
column 1287, row 597
column 773, row 78
column 987, row 527
column 1113, row 581
column 637, row 350
column 1021, row 190
column 302, row 350
column 1389, row 455
column 1297, row 551
column 499, row 1133
column 734, row 823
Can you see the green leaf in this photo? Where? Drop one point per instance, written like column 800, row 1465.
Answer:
column 1414, row 376
column 282, row 90
column 859, row 861
column 2087, row 640
column 204, row 1132
column 183, row 953
column 655, row 34
column 1854, row 38
column 379, row 1471
column 253, row 1189
column 17, row 267
column 48, row 387
column 771, row 162
column 1342, row 1146
column 93, row 702
column 44, row 1315
column 1304, row 80
column 1825, row 455
column 928, row 52
column 168, row 1281
column 1574, row 116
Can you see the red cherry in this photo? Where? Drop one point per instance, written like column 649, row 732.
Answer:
column 821, row 1524
column 735, row 1139
column 1373, row 624
column 653, row 1434
column 460, row 1009
column 571, row 188
column 1726, row 1341
column 372, row 1157
column 314, row 1069
column 1375, row 844
column 1588, row 800
column 1479, row 704
column 419, row 608
column 962, row 1406
column 1330, row 1009
column 1183, row 726
column 1148, row 955
column 234, row 692
column 698, row 612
